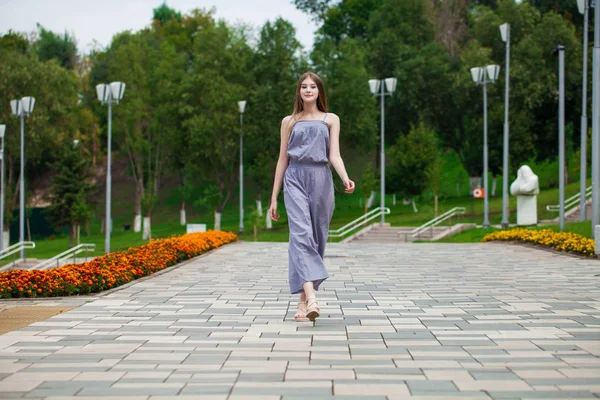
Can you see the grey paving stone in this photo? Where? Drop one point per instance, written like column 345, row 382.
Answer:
column 473, row 312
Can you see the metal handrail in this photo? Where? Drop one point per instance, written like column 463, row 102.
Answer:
column 15, row 248
column 65, row 255
column 571, row 202
column 358, row 222
column 438, row 220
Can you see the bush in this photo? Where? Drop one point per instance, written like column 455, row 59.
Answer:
column 563, row 241
column 110, row 270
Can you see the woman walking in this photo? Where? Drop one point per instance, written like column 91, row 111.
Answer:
column 309, row 141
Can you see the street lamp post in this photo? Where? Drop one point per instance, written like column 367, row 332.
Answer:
column 109, row 94
column 584, row 8
column 596, row 124
column 483, row 76
column 242, row 107
column 377, row 88
column 561, row 135
column 505, row 32
column 22, row 108
column 2, row 244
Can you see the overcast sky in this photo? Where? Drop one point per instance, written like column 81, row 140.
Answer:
column 99, row 20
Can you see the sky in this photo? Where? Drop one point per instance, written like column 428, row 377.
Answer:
column 99, row 20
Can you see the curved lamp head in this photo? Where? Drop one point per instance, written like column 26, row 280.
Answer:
column 28, row 104
column 581, row 6
column 242, row 106
column 477, row 75
column 103, row 92
column 492, row 72
column 504, row 30
column 117, row 90
column 2, row 131
column 17, row 107
column 390, row 84
column 374, row 85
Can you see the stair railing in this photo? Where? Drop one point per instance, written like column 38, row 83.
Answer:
column 456, row 211
column 65, row 255
column 358, row 222
column 571, row 202
column 15, row 248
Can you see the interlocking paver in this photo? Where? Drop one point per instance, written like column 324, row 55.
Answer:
column 481, row 321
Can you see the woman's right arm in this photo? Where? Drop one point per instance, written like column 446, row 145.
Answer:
column 282, row 164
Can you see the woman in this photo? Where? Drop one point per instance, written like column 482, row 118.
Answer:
column 309, row 141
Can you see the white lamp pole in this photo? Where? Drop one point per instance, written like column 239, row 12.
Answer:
column 377, row 88
column 584, row 8
column 505, row 32
column 483, row 76
column 109, row 94
column 596, row 124
column 242, row 107
column 2, row 244
column 561, row 135
column 22, row 108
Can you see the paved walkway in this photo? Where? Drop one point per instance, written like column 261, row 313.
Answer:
column 427, row 321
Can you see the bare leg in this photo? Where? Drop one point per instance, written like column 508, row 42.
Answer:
column 309, row 290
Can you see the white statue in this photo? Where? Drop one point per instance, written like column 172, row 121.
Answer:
column 526, row 188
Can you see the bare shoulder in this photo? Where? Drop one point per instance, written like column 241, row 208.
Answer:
column 286, row 120
column 333, row 117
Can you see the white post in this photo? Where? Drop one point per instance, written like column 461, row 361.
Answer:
column 486, row 222
column 596, row 122
column 584, row 118
column 22, row 189
column 382, row 160
column 107, row 223
column 561, row 135
column 505, row 166
column 241, row 173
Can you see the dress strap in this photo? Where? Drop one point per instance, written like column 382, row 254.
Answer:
column 325, row 117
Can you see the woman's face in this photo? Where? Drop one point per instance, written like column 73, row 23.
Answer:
column 309, row 91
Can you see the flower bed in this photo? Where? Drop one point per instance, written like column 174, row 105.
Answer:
column 110, row 270
column 563, row 241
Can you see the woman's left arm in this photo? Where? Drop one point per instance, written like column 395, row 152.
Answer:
column 334, row 153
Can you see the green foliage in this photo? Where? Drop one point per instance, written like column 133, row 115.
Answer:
column 70, row 191
column 410, row 158
column 51, row 46
column 164, row 14
column 13, row 41
column 368, row 183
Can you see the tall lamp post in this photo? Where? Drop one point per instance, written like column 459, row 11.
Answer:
column 376, row 86
column 561, row 134
column 483, row 76
column 505, row 32
column 596, row 123
column 584, row 8
column 109, row 94
column 22, row 108
column 2, row 244
column 242, row 106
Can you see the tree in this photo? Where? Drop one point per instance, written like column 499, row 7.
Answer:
column 164, row 14
column 275, row 74
column 219, row 76
column 409, row 160
column 70, row 190
column 368, row 183
column 434, row 177
column 53, row 46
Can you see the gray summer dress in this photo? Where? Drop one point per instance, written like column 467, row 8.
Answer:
column 308, row 197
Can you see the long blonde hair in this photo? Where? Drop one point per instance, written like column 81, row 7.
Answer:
column 321, row 99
